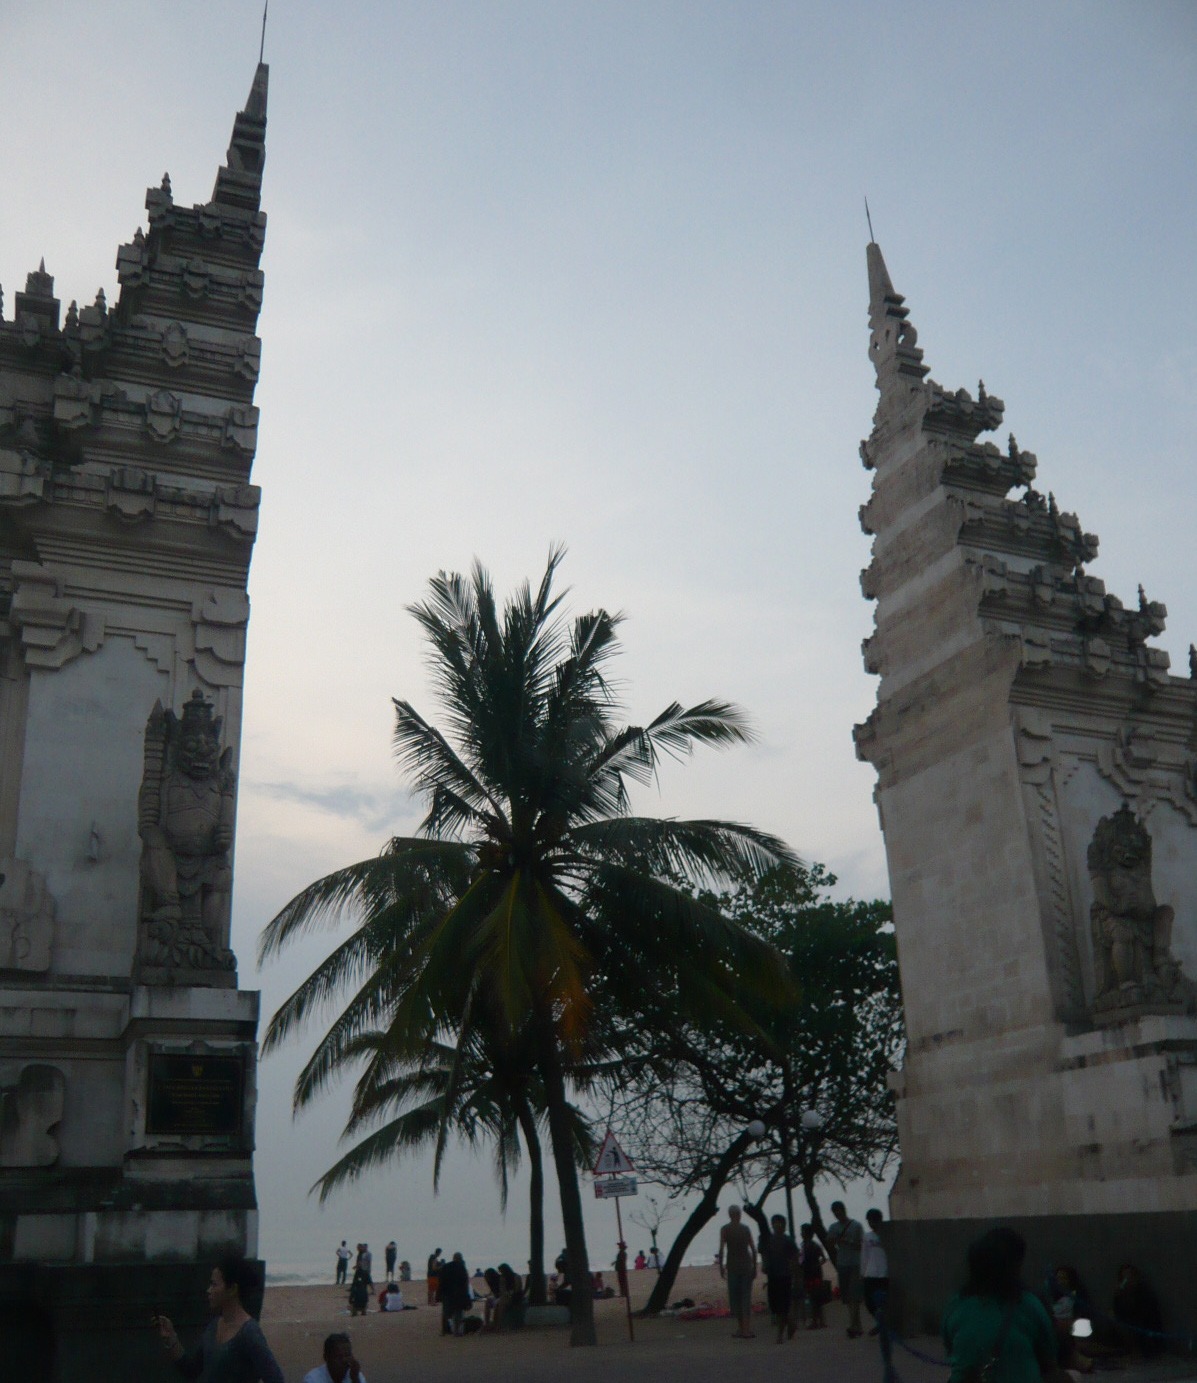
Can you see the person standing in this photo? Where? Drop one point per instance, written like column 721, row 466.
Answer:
column 813, row 1280
column 737, row 1263
column 232, row 1348
column 874, row 1269
column 995, row 1321
column 845, row 1239
column 434, row 1277
column 455, row 1294
column 782, row 1264
column 366, row 1263
column 621, row 1268
column 392, row 1253
column 343, row 1257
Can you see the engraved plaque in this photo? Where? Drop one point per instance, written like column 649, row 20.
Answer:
column 195, row 1094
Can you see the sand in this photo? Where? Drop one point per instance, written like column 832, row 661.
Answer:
column 408, row 1345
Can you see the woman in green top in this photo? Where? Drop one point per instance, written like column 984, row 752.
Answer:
column 992, row 1297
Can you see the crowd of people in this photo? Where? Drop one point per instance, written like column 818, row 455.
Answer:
column 996, row 1319
column 995, row 1326
column 1035, row 1334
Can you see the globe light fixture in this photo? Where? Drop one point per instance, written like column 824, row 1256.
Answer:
column 811, row 1121
column 757, row 1128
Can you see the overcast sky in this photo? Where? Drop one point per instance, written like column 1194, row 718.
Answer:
column 594, row 273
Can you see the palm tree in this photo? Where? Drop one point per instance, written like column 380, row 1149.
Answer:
column 531, row 891
column 480, row 1094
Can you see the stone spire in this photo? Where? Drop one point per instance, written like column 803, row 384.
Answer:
column 239, row 181
column 892, row 339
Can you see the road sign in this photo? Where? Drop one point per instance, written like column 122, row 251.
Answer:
column 612, row 1158
column 615, row 1187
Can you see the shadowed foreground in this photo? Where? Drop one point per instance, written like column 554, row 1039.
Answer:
column 404, row 1346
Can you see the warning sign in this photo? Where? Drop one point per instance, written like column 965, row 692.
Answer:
column 612, row 1158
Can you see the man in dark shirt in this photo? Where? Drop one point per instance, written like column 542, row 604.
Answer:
column 455, row 1294
column 782, row 1263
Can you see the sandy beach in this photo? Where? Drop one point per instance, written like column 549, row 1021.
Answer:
column 409, row 1344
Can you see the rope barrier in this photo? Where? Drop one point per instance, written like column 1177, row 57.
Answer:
column 1186, row 1338
column 887, row 1338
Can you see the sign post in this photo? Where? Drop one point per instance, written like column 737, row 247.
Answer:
column 613, row 1163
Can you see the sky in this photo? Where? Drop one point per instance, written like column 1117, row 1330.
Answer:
column 595, row 274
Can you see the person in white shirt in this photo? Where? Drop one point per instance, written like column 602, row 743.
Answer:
column 339, row 1364
column 654, row 1258
column 874, row 1269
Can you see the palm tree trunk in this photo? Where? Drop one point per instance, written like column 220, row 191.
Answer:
column 536, row 1288
column 702, row 1212
column 581, row 1307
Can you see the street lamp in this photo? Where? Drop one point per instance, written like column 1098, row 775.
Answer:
column 757, row 1128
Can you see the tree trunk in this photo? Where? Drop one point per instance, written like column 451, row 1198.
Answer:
column 703, row 1212
column 581, row 1299
column 536, row 1286
column 816, row 1215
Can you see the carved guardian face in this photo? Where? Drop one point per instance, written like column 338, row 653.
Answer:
column 198, row 753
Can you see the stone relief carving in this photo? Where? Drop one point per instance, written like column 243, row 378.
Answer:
column 1038, row 768
column 1132, row 934
column 164, row 415
column 53, row 631
column 26, row 918
column 185, row 820
column 30, row 1112
column 1146, row 770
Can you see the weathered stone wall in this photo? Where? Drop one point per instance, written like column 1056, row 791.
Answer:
column 1037, row 788
column 127, row 524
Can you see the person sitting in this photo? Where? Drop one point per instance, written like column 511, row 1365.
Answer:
column 490, row 1302
column 641, row 1262
column 994, row 1320
column 509, row 1313
column 405, row 1271
column 390, row 1298
column 339, row 1364
column 1138, row 1321
column 1069, row 1302
column 359, row 1293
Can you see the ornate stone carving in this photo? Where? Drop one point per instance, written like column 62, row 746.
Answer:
column 175, row 345
column 1146, row 770
column 164, row 415
column 26, row 918
column 241, row 427
column 30, row 1112
column 1132, row 934
column 53, row 631
column 185, row 819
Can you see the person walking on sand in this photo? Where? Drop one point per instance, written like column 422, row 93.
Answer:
column 737, row 1264
column 343, row 1257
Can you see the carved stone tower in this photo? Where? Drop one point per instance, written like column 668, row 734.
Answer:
column 1037, row 787
column 127, row 522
